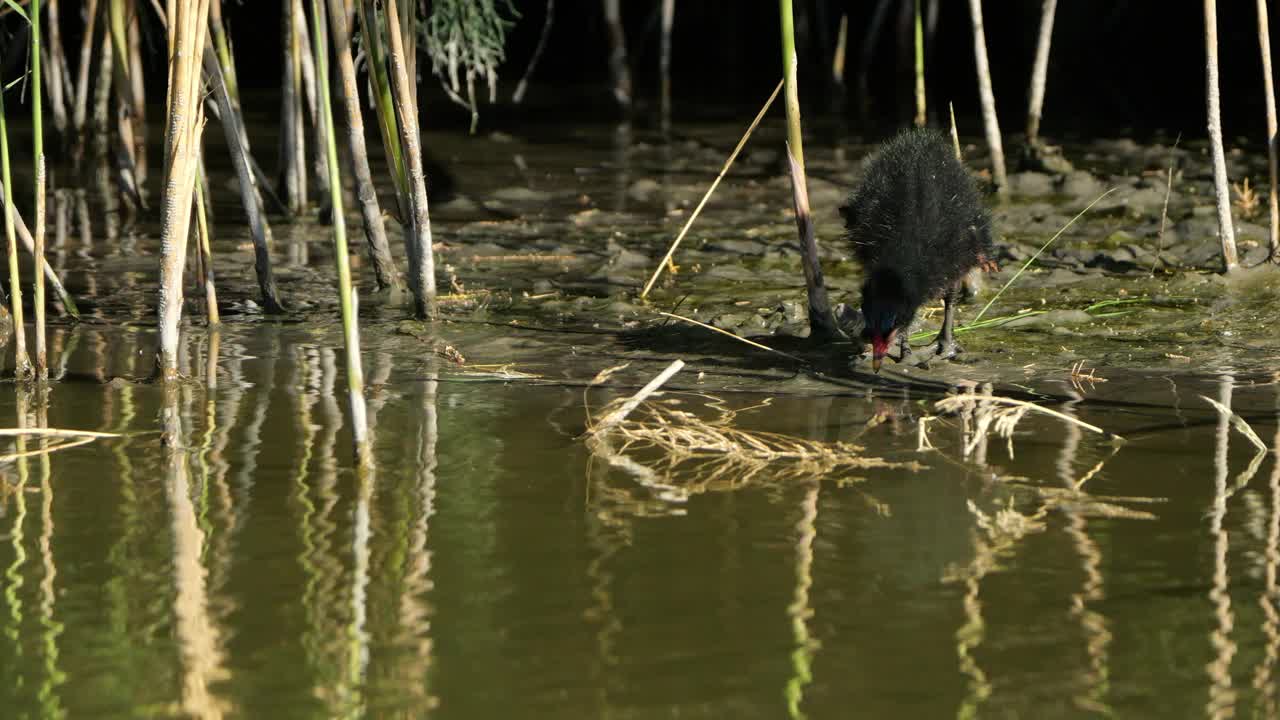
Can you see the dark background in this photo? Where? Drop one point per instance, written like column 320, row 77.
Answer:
column 1117, row 67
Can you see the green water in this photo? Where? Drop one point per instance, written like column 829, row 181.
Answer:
column 490, row 565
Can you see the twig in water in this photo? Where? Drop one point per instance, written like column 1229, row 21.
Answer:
column 621, row 412
column 728, row 163
column 726, row 333
column 1079, row 376
column 1164, row 212
column 1237, row 422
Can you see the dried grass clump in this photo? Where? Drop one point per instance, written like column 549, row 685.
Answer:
column 983, row 413
column 686, row 443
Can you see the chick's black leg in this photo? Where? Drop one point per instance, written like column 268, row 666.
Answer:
column 947, row 347
column 904, row 346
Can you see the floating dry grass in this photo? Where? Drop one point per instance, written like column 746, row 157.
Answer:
column 688, row 443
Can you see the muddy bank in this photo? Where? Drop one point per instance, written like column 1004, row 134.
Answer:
column 545, row 245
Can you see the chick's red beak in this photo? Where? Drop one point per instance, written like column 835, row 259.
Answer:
column 879, row 348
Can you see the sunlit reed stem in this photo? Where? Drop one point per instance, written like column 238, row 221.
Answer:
column 1040, row 70
column 1221, row 185
column 188, row 21
column 293, row 173
column 37, row 149
column 921, row 115
column 350, row 323
column 822, row 323
column 1269, row 87
column 21, row 362
column 989, row 120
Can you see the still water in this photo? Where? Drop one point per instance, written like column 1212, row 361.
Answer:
column 488, row 567
column 491, row 564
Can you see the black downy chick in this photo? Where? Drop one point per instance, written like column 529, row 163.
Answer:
column 918, row 225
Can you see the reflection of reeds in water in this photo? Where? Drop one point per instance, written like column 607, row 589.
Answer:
column 14, row 579
column 1092, row 623
column 50, row 628
column 1222, row 696
column 198, row 635
column 608, row 531
column 801, row 609
column 1264, row 681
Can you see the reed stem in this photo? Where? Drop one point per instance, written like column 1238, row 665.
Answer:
column 990, row 122
column 422, row 279
column 922, row 117
column 187, row 26
column 384, row 269
column 1221, row 184
column 21, row 361
column 1269, row 88
column 349, row 298
column 1040, row 70
column 822, row 322
column 206, row 256
column 37, row 149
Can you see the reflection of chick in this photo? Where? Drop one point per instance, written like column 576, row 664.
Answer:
column 918, row 227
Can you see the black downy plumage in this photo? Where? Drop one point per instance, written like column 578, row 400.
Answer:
column 918, row 225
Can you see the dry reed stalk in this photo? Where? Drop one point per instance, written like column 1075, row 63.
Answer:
column 728, row 334
column 422, row 276
column 521, row 87
column 622, row 411
column 187, row 26
column 728, row 163
column 1239, row 423
column 990, row 122
column 1269, row 88
column 1221, row 185
column 293, row 173
column 1040, row 70
column 1164, row 210
column 618, row 68
column 384, row 269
